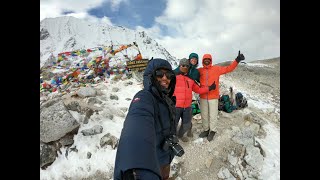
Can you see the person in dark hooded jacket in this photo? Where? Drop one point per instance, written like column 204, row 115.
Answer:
column 148, row 124
column 193, row 71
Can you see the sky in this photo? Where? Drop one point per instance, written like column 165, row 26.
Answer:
column 220, row 28
column 78, row 166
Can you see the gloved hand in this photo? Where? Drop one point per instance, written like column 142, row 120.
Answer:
column 240, row 57
column 212, row 86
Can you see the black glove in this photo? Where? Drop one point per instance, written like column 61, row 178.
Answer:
column 240, row 57
column 212, row 86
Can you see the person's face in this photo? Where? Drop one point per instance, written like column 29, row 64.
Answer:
column 164, row 77
column 193, row 61
column 206, row 61
column 184, row 68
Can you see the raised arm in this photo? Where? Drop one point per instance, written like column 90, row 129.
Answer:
column 232, row 66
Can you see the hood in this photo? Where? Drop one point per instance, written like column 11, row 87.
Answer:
column 149, row 79
column 192, row 55
column 207, row 56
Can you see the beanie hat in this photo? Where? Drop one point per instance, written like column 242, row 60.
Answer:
column 193, row 55
column 184, row 61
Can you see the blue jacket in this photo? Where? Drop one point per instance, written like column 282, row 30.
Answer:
column 140, row 144
column 194, row 73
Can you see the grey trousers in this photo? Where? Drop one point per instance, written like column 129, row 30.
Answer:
column 209, row 114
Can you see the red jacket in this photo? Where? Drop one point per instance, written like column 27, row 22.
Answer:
column 183, row 90
column 211, row 73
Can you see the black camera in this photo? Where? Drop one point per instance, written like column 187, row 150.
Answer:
column 172, row 142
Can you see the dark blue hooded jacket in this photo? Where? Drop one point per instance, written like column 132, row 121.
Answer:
column 140, row 145
column 193, row 71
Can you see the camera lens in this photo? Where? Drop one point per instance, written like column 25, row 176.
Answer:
column 178, row 150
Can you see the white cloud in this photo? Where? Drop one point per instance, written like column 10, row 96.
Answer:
column 115, row 4
column 55, row 8
column 137, row 17
column 51, row 9
column 47, row 10
column 180, row 9
column 221, row 28
column 207, row 26
column 93, row 19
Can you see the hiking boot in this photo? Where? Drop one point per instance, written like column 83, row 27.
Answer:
column 204, row 134
column 210, row 136
column 189, row 134
column 184, row 139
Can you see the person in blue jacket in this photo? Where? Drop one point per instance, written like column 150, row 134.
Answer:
column 147, row 142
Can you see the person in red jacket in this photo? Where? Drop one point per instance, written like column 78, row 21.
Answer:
column 209, row 101
column 183, row 93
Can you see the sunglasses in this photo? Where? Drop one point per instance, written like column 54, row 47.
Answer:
column 185, row 66
column 159, row 74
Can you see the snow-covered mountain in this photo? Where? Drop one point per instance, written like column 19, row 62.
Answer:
column 68, row 33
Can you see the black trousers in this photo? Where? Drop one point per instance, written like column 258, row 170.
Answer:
column 186, row 116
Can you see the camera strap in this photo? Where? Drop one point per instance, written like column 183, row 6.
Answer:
column 171, row 107
column 171, row 114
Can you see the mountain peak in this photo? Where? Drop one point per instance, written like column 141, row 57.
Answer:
column 68, row 33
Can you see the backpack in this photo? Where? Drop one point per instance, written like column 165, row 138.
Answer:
column 241, row 101
column 225, row 104
column 195, row 108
